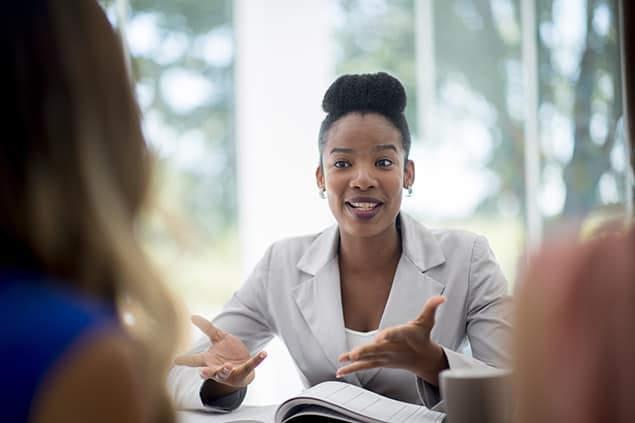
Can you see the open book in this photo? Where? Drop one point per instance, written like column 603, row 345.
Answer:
column 327, row 401
column 349, row 403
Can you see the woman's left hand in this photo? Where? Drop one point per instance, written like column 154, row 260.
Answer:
column 406, row 346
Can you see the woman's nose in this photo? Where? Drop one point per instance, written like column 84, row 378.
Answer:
column 363, row 179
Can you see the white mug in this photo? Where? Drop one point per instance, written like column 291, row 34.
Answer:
column 480, row 395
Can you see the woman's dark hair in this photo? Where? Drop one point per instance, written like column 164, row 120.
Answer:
column 379, row 93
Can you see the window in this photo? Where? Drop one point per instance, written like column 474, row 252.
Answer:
column 515, row 108
column 465, row 67
column 182, row 60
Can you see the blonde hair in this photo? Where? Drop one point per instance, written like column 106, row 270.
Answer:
column 74, row 168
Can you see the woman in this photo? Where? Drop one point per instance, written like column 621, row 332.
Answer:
column 73, row 177
column 369, row 285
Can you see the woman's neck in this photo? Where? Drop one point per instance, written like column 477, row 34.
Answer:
column 370, row 254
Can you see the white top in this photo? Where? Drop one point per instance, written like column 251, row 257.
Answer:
column 355, row 339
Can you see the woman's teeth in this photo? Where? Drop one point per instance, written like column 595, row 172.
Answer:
column 364, row 206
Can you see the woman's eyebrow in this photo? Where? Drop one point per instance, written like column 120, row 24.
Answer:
column 382, row 147
column 341, row 150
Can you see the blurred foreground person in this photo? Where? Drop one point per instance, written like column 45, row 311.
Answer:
column 73, row 174
column 576, row 333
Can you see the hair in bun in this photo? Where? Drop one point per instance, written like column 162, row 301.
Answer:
column 376, row 92
column 365, row 93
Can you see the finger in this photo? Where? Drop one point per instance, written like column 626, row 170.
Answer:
column 369, row 350
column 380, row 351
column 358, row 366
column 344, row 357
column 392, row 334
column 366, row 356
column 247, row 367
column 191, row 360
column 353, row 354
column 426, row 317
column 208, row 328
column 210, row 372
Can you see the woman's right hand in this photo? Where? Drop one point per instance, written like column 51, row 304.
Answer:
column 227, row 361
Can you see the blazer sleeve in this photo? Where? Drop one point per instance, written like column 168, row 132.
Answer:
column 488, row 320
column 246, row 315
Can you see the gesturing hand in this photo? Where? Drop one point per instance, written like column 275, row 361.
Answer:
column 406, row 346
column 227, row 361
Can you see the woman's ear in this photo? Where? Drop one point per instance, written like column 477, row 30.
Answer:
column 409, row 174
column 319, row 178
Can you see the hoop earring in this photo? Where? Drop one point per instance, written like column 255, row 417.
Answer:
column 322, row 193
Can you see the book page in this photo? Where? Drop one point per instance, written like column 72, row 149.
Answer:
column 359, row 403
column 325, row 414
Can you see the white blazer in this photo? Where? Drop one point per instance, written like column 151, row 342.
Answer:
column 294, row 292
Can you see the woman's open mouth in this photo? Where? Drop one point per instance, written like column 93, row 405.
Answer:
column 364, row 208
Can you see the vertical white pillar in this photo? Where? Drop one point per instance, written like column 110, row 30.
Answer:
column 284, row 64
column 426, row 66
column 532, row 151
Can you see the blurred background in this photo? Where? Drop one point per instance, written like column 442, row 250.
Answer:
column 515, row 108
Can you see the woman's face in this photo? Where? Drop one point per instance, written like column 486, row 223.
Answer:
column 363, row 173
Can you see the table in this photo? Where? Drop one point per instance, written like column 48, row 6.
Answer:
column 244, row 414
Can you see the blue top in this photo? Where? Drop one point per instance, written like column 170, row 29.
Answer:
column 39, row 323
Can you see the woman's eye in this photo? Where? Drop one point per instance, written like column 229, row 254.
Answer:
column 342, row 163
column 383, row 163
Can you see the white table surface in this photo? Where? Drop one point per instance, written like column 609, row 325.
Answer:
column 244, row 414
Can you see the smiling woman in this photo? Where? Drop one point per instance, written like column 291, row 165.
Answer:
column 376, row 270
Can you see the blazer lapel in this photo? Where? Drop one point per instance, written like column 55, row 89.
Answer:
column 320, row 301
column 410, row 289
column 411, row 286
column 319, row 298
